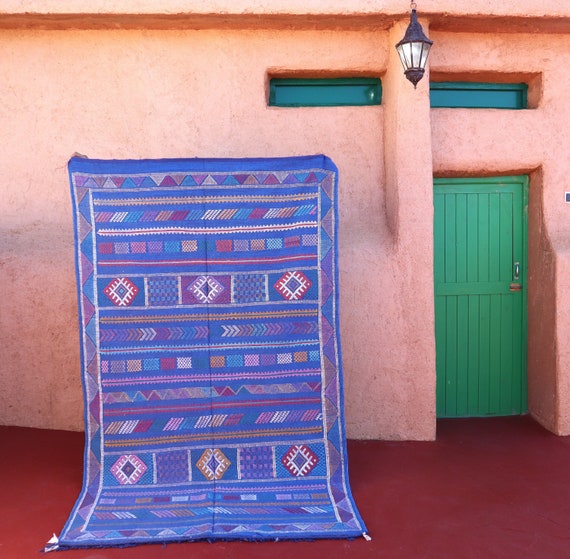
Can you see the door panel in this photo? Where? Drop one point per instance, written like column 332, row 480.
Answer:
column 480, row 303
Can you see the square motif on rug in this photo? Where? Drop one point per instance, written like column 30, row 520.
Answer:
column 211, row 360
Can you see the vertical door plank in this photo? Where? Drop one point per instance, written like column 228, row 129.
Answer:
column 518, row 388
column 473, row 355
column 450, row 239
column 461, row 237
column 473, row 237
column 462, row 354
column 441, row 356
column 505, row 236
column 483, row 237
column 495, row 329
column 506, row 359
column 451, row 357
column 484, row 353
column 439, row 238
column 494, row 240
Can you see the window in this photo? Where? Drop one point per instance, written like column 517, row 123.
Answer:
column 479, row 95
column 324, row 92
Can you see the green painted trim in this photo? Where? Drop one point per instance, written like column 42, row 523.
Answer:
column 509, row 179
column 324, row 92
column 457, row 186
column 479, row 95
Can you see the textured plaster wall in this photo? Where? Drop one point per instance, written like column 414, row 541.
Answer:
column 534, row 142
column 321, row 7
column 185, row 93
column 132, row 94
column 542, row 351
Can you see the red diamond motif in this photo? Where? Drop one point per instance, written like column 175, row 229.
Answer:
column 300, row 460
column 121, row 291
column 293, row 285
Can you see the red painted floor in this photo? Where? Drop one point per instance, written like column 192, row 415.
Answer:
column 488, row 488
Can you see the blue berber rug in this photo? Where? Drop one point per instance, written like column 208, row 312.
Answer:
column 211, row 361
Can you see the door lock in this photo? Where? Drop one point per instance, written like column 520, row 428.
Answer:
column 517, row 271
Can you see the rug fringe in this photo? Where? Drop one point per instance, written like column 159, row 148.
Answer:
column 366, row 537
column 53, row 544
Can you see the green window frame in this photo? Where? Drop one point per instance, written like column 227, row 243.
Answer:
column 324, row 92
column 479, row 95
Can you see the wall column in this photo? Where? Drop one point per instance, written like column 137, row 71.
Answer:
column 409, row 214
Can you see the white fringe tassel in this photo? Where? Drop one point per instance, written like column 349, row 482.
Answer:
column 52, row 544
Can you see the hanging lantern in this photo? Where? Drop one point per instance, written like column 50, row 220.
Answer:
column 414, row 49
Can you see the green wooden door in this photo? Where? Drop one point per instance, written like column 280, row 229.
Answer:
column 480, row 262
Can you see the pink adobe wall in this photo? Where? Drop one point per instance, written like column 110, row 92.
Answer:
column 182, row 92
column 130, row 94
column 490, row 142
column 542, row 354
column 526, row 8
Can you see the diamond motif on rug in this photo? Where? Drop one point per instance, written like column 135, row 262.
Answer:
column 300, row 460
column 213, row 464
column 293, row 285
column 206, row 289
column 121, row 291
column 128, row 469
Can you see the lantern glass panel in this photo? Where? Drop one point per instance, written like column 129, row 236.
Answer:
column 405, row 52
column 416, row 48
column 425, row 54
